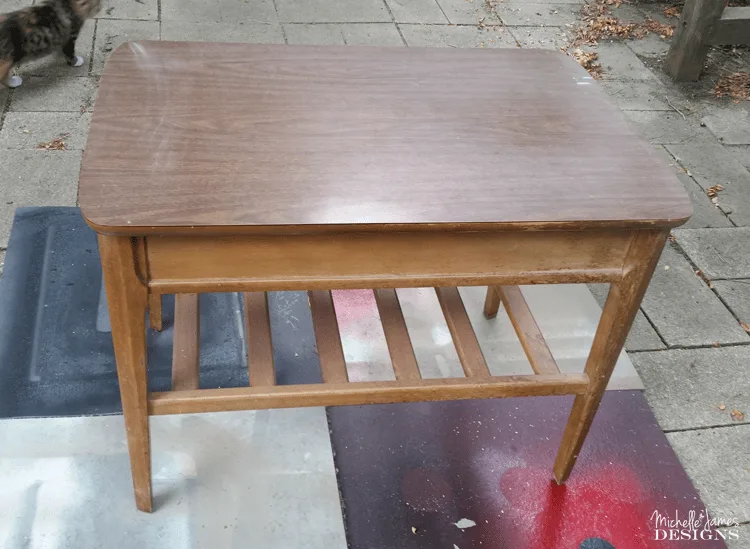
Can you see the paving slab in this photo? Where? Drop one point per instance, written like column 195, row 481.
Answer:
column 325, row 11
column 417, row 11
column 740, row 539
column 719, row 253
column 637, row 96
column 711, row 164
column 532, row 14
column 219, row 11
column 129, row 9
column 457, row 36
column 314, row 34
column 736, row 294
column 26, row 130
column 730, row 124
column 620, row 63
column 468, row 12
column 705, row 212
column 110, row 33
column 371, row 34
column 652, row 45
column 254, row 33
column 642, row 336
column 687, row 388
column 56, row 64
column 717, row 461
column 547, row 38
column 664, row 127
column 741, row 153
column 683, row 308
column 4, row 95
column 36, row 178
column 54, row 93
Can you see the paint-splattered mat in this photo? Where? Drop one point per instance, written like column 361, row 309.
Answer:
column 478, row 475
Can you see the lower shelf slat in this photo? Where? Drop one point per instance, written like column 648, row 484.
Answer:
column 377, row 392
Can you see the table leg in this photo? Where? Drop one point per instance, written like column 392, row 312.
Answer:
column 620, row 309
column 491, row 302
column 154, row 312
column 127, row 301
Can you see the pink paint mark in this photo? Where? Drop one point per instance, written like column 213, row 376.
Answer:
column 606, row 502
column 354, row 305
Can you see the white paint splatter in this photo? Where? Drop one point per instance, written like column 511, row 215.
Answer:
column 456, row 546
column 465, row 523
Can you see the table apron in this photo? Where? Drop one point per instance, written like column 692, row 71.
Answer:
column 177, row 264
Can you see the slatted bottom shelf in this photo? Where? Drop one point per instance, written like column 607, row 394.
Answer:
column 336, row 390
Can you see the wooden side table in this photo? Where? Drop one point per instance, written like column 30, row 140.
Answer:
column 322, row 168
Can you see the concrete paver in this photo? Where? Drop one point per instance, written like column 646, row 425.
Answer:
column 637, row 96
column 457, row 37
column 54, row 93
column 665, row 127
column 417, row 11
column 219, row 11
column 371, row 34
column 741, row 153
column 736, row 294
column 26, row 130
column 56, row 64
column 317, row 34
column 520, row 13
column 253, row 33
column 110, row 33
column 324, row 11
column 620, row 63
column 684, row 309
column 468, row 12
column 548, row 38
column 711, row 164
column 688, row 388
column 36, row 178
column 129, row 9
column 730, row 125
column 719, row 253
column 642, row 336
column 717, row 462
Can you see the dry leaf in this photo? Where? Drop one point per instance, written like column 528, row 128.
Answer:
column 57, row 144
column 704, row 278
column 737, row 415
column 665, row 31
column 588, row 61
column 735, row 85
column 745, row 326
column 671, row 238
column 714, row 190
column 716, row 344
column 722, row 407
column 672, row 11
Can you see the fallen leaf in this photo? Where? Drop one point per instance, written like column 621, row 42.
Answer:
column 704, row 278
column 57, row 144
column 722, row 407
column 672, row 11
column 714, row 190
column 715, row 343
column 737, row 415
column 588, row 60
column 745, row 326
column 735, row 85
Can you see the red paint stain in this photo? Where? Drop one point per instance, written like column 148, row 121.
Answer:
column 607, row 502
column 354, row 305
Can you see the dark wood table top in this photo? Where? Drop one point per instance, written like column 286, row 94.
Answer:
column 262, row 138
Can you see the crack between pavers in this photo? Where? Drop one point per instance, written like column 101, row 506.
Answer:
column 656, row 330
column 691, row 347
column 705, row 428
column 443, row 11
column 393, row 20
column 281, row 25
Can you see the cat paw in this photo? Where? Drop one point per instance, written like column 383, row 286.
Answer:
column 77, row 61
column 13, row 81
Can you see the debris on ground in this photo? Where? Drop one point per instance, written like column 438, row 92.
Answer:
column 57, row 144
column 735, row 85
column 713, row 192
column 589, row 61
column 652, row 25
column 672, row 11
column 722, row 407
column 598, row 23
column 737, row 415
column 464, row 523
column 704, row 278
column 745, row 326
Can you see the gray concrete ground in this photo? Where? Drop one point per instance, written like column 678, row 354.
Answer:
column 689, row 342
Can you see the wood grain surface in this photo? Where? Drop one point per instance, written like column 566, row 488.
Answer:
column 244, row 138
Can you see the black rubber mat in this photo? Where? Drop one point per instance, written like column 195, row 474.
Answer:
column 56, row 356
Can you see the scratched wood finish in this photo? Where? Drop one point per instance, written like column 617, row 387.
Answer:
column 258, row 335
column 186, row 343
column 618, row 314
column 155, row 312
column 376, row 392
column 127, row 302
column 464, row 338
column 307, row 137
column 377, row 260
column 397, row 338
column 527, row 330
column 327, row 337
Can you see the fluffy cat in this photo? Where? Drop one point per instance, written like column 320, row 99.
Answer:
column 42, row 29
